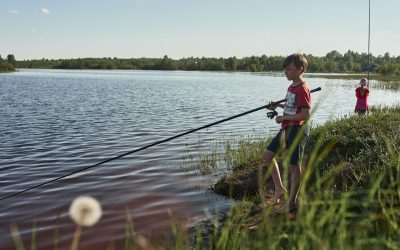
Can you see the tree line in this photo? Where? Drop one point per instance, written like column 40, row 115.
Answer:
column 332, row 62
column 8, row 64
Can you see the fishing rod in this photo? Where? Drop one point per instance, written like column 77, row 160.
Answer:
column 369, row 37
column 151, row 145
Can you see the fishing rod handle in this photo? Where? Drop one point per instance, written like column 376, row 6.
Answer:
column 315, row 90
column 271, row 104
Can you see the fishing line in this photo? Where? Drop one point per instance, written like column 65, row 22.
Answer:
column 150, row 145
column 369, row 35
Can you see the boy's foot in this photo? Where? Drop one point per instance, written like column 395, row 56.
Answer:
column 279, row 198
column 273, row 202
column 286, row 209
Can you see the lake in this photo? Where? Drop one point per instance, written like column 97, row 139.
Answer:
column 54, row 122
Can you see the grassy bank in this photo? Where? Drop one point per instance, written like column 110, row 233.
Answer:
column 350, row 196
column 6, row 70
column 355, row 148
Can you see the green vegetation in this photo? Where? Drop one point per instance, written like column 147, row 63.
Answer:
column 349, row 198
column 359, row 146
column 332, row 62
column 7, row 65
column 350, row 194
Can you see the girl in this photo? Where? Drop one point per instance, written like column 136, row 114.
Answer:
column 362, row 93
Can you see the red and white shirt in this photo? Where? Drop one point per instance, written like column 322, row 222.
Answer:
column 297, row 97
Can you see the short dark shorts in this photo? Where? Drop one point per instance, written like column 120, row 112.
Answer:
column 291, row 134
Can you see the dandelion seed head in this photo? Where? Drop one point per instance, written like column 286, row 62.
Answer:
column 85, row 211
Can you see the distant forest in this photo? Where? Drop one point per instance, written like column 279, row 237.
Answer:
column 8, row 64
column 332, row 62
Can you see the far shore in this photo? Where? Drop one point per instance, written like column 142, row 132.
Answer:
column 332, row 75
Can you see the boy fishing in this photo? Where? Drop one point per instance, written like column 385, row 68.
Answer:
column 293, row 134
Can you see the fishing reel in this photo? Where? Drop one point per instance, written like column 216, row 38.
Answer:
column 272, row 114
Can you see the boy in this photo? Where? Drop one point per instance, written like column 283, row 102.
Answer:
column 296, row 111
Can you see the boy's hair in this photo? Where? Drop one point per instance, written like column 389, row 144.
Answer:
column 297, row 59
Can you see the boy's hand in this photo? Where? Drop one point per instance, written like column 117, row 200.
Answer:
column 279, row 119
column 271, row 107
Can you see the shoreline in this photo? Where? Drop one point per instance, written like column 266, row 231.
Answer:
column 350, row 188
column 350, row 76
column 342, row 137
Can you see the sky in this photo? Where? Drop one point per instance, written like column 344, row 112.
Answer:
column 56, row 29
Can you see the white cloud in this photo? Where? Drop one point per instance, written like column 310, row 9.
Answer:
column 45, row 11
column 14, row 12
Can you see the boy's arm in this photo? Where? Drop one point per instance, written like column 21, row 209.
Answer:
column 281, row 105
column 301, row 116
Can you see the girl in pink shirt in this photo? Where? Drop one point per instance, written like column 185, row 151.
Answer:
column 362, row 94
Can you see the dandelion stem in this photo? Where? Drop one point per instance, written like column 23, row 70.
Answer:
column 75, row 241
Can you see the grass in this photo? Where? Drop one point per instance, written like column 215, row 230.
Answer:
column 350, row 193
column 349, row 197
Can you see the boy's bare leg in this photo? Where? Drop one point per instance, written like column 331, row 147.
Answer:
column 280, row 190
column 295, row 176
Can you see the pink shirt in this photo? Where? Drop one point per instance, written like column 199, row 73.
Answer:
column 358, row 93
column 362, row 100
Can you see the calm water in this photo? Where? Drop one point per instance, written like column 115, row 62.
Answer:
column 54, row 122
